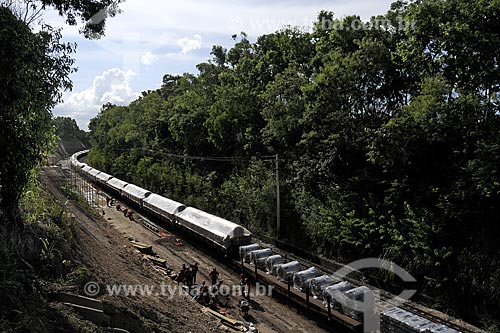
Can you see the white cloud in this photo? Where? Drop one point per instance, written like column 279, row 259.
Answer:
column 189, row 45
column 148, row 58
column 163, row 35
column 112, row 86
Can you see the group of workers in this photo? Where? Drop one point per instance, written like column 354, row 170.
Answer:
column 187, row 275
column 209, row 295
column 204, row 294
column 126, row 211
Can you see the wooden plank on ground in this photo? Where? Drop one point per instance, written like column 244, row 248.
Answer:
column 235, row 324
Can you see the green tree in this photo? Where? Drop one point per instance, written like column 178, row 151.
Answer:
column 34, row 68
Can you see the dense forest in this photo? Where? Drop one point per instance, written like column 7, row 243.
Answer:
column 388, row 139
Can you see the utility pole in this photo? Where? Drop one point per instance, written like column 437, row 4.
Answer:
column 278, row 217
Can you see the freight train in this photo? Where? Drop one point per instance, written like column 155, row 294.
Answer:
column 230, row 237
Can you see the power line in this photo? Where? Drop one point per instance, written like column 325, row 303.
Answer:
column 203, row 158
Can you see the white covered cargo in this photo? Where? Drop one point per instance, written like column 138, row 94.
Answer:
column 334, row 294
column 135, row 193
column 285, row 271
column 319, row 284
column 301, row 279
column 103, row 177
column 359, row 294
column 161, row 206
column 259, row 257
column 246, row 250
column 273, row 262
column 399, row 320
column 217, row 230
column 93, row 173
column 117, row 185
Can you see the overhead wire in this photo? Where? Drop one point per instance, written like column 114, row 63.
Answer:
column 204, row 158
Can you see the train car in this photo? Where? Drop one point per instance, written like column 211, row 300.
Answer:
column 135, row 194
column 116, row 185
column 74, row 159
column 86, row 169
column 162, row 207
column 103, row 178
column 93, row 173
column 80, row 167
column 77, row 164
column 224, row 234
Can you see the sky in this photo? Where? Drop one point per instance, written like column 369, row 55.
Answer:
column 151, row 38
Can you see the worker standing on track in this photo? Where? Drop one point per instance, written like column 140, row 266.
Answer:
column 203, row 299
column 214, row 275
column 188, row 277
column 247, row 288
column 242, row 284
column 214, row 293
column 194, row 271
column 181, row 275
